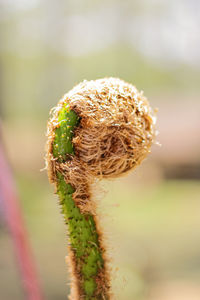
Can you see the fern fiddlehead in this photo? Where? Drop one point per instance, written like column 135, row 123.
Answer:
column 100, row 129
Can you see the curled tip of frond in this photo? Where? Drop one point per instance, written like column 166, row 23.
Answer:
column 115, row 133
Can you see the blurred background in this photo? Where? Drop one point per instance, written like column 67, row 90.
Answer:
column 151, row 217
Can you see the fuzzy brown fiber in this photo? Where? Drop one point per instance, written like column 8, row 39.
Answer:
column 117, row 126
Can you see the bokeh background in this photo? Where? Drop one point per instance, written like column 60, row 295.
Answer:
column 151, row 217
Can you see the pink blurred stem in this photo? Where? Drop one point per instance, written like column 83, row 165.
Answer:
column 17, row 228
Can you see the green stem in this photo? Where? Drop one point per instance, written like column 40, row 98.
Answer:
column 83, row 235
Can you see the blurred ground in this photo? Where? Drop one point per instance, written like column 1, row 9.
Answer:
column 151, row 217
